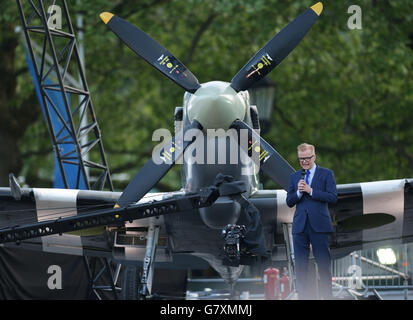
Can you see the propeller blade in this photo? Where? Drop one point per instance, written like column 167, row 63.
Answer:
column 271, row 162
column 276, row 49
column 150, row 50
column 153, row 171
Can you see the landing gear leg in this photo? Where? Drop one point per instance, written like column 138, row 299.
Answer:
column 232, row 289
column 145, row 287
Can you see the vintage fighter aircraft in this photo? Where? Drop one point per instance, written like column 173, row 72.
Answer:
column 70, row 221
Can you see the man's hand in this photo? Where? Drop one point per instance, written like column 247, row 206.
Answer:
column 303, row 187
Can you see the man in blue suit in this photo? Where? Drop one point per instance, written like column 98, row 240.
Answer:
column 311, row 190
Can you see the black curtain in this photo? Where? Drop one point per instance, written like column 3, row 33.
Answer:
column 27, row 274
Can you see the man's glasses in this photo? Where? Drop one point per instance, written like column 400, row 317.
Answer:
column 305, row 159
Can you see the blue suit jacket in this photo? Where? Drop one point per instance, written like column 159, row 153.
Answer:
column 314, row 207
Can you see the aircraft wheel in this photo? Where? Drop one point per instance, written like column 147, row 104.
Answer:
column 131, row 282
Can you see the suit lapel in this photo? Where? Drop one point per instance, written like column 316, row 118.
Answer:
column 298, row 179
column 316, row 176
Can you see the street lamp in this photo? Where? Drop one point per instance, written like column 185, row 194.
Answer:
column 262, row 94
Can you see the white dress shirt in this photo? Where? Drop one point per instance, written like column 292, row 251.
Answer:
column 310, row 180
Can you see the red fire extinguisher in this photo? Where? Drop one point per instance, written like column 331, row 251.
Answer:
column 272, row 284
column 285, row 285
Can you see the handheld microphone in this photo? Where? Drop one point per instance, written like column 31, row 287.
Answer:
column 303, row 177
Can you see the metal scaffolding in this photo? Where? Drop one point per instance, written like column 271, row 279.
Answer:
column 58, row 57
column 52, row 48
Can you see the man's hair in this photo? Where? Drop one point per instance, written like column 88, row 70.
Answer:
column 305, row 146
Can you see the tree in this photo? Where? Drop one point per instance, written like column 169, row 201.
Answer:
column 18, row 106
column 346, row 91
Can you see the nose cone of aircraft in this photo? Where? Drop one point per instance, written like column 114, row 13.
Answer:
column 216, row 105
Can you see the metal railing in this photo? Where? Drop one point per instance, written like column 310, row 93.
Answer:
column 362, row 272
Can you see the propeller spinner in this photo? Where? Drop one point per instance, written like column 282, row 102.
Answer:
column 215, row 105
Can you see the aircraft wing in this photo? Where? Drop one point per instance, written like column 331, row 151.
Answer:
column 367, row 214
column 372, row 214
column 41, row 204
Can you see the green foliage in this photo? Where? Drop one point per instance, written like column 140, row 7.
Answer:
column 349, row 92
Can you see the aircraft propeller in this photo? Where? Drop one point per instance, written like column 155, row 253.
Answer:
column 151, row 51
column 153, row 171
column 265, row 60
column 271, row 55
column 270, row 161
